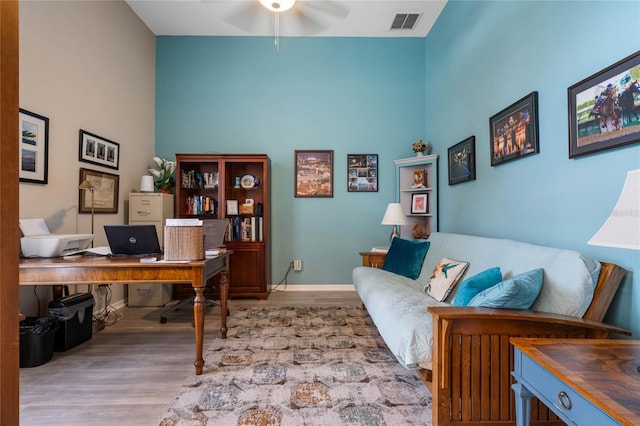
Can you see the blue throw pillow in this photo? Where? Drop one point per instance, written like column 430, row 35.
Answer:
column 405, row 257
column 475, row 284
column 518, row 292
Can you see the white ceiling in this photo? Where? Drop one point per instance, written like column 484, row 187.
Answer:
column 320, row 18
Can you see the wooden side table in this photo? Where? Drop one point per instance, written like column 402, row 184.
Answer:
column 374, row 259
column 583, row 381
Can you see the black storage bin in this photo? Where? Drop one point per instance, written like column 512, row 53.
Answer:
column 37, row 337
column 75, row 313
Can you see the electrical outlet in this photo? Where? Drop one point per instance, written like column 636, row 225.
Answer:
column 297, row 265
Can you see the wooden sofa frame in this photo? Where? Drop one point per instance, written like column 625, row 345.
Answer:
column 470, row 377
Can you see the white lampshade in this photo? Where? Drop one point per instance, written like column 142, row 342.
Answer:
column 395, row 215
column 278, row 5
column 622, row 227
column 146, row 183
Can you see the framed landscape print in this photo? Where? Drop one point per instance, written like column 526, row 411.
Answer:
column 313, row 174
column 362, row 172
column 462, row 161
column 105, row 192
column 98, row 150
column 34, row 147
column 514, row 131
column 604, row 108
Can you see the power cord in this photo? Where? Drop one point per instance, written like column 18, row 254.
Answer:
column 107, row 316
column 284, row 279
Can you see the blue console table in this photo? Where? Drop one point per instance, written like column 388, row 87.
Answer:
column 586, row 382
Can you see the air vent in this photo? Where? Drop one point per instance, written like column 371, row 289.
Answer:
column 405, row 21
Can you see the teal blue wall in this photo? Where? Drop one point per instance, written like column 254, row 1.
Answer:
column 379, row 95
column 353, row 96
column 483, row 56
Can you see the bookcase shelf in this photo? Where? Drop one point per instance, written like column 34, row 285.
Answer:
column 249, row 266
column 422, row 171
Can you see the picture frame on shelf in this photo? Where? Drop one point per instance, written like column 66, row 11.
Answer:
column 97, row 150
column 232, row 208
column 602, row 108
column 34, row 147
column 514, row 131
column 419, row 203
column 313, row 174
column 105, row 192
column 462, row 161
column 362, row 172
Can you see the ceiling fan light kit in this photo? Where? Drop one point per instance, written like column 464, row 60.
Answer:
column 278, row 5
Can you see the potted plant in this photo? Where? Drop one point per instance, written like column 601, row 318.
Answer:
column 420, row 147
column 163, row 174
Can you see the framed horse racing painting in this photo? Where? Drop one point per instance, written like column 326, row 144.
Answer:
column 604, row 109
column 514, row 131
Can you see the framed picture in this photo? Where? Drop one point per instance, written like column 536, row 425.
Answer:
column 514, row 131
column 103, row 195
column 419, row 204
column 232, row 207
column 462, row 161
column 362, row 172
column 34, row 147
column 98, row 150
column 313, row 174
column 604, row 109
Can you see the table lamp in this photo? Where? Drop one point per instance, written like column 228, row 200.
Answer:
column 622, row 227
column 394, row 216
column 87, row 186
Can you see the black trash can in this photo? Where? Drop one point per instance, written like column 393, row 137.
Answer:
column 37, row 338
column 75, row 313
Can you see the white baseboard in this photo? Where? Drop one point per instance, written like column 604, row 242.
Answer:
column 314, row 287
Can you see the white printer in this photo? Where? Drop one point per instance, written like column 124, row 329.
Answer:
column 37, row 241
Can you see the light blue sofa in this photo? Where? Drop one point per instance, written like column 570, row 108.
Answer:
column 448, row 345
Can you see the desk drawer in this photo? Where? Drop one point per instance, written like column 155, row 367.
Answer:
column 553, row 393
column 145, row 208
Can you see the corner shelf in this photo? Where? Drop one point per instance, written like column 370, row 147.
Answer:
column 405, row 173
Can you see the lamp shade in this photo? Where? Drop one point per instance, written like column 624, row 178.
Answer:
column 394, row 215
column 622, row 227
column 278, row 5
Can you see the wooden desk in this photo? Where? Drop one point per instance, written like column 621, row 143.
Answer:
column 129, row 270
column 583, row 381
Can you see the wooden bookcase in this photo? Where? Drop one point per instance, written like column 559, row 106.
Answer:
column 197, row 197
column 407, row 169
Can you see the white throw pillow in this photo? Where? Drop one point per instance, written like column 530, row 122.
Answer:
column 444, row 277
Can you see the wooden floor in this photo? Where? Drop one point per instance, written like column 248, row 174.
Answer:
column 128, row 373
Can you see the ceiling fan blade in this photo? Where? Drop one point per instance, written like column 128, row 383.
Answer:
column 312, row 17
column 252, row 17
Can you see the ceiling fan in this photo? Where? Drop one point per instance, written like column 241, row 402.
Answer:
column 307, row 17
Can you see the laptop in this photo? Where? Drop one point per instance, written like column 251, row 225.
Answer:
column 132, row 240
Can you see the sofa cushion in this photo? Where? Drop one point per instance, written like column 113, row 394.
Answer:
column 517, row 293
column 475, row 284
column 444, row 277
column 405, row 257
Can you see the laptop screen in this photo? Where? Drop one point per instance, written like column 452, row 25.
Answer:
column 132, row 240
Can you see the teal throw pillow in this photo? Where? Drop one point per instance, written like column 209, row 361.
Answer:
column 405, row 257
column 518, row 292
column 475, row 284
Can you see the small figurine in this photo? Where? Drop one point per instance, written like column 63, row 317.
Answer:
column 416, row 232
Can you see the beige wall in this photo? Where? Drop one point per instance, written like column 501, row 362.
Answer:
column 85, row 65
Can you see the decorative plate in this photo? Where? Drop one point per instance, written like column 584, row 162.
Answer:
column 247, row 182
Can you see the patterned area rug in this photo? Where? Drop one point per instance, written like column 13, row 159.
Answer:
column 301, row 366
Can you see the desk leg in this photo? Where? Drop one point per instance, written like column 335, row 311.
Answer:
column 224, row 296
column 523, row 404
column 198, row 320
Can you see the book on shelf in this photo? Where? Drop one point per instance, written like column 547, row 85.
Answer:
column 183, row 222
column 245, row 229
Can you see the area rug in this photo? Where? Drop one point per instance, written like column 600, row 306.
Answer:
column 300, row 366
